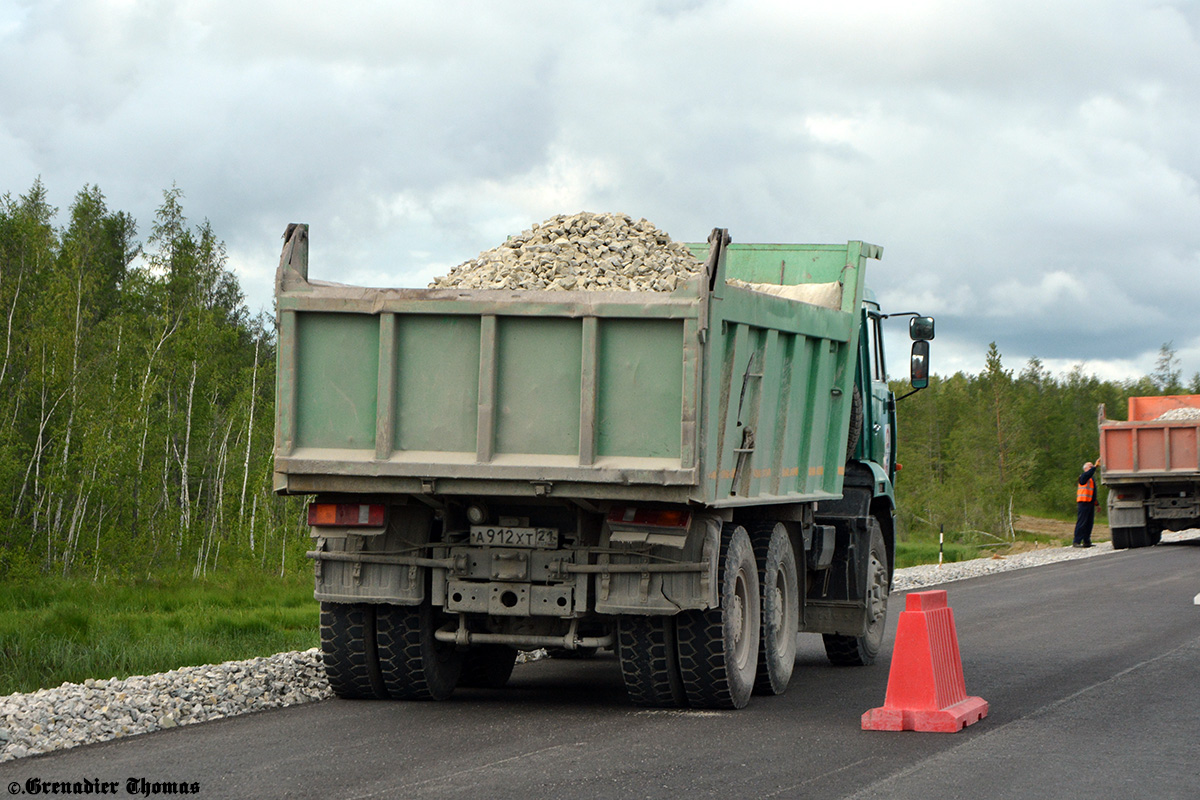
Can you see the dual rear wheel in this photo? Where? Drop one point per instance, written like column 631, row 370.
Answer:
column 718, row 657
column 1141, row 536
column 700, row 658
column 380, row 651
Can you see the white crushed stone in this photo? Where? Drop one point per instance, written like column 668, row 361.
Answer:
column 100, row 710
column 580, row 252
column 932, row 574
column 1185, row 414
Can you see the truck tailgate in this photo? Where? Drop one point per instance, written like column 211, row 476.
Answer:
column 1150, row 444
column 1138, row 449
column 483, row 385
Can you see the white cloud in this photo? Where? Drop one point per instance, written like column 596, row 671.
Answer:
column 1055, row 291
column 1030, row 168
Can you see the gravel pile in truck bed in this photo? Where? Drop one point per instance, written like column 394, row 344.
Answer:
column 1175, row 414
column 99, row 710
column 580, row 252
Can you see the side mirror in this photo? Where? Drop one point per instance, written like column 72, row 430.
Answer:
column 920, row 329
column 918, row 367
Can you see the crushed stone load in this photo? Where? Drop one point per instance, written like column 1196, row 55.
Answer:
column 580, row 252
column 1176, row 414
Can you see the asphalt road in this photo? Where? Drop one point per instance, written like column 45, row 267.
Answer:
column 1091, row 669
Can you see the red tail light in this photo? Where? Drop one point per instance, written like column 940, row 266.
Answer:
column 365, row 515
column 649, row 517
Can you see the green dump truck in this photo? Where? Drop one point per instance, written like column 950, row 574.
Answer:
column 687, row 478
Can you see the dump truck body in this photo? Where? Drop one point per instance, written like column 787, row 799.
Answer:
column 1151, row 465
column 583, row 394
column 521, row 469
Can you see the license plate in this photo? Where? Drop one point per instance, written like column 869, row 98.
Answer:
column 495, row 536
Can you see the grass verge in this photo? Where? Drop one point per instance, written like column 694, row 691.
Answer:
column 1030, row 533
column 56, row 630
column 915, row 552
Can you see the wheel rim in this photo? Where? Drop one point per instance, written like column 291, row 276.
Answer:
column 783, row 622
column 739, row 610
column 877, row 591
column 877, row 597
column 776, row 621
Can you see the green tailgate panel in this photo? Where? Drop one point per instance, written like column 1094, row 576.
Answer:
column 437, row 382
column 639, row 388
column 337, row 383
column 538, row 364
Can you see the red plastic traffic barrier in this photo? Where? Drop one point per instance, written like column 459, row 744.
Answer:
column 926, row 690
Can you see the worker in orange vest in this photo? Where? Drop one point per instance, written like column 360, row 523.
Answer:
column 1085, row 503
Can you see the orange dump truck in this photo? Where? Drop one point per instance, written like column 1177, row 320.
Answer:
column 1151, row 465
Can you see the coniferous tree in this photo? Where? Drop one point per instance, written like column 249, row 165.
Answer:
column 1166, row 375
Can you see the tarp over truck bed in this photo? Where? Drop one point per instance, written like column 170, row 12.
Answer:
column 712, row 393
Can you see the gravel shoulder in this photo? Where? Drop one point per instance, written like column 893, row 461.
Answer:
column 100, row 710
column 932, row 574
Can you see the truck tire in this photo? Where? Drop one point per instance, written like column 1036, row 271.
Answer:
column 1121, row 537
column 718, row 647
column 861, row 650
column 649, row 666
column 1139, row 537
column 412, row 663
column 780, row 615
column 488, row 666
column 348, row 651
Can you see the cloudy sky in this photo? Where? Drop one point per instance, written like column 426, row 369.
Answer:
column 1030, row 166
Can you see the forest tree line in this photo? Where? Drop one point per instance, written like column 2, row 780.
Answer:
column 136, row 396
column 137, row 409
column 978, row 450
